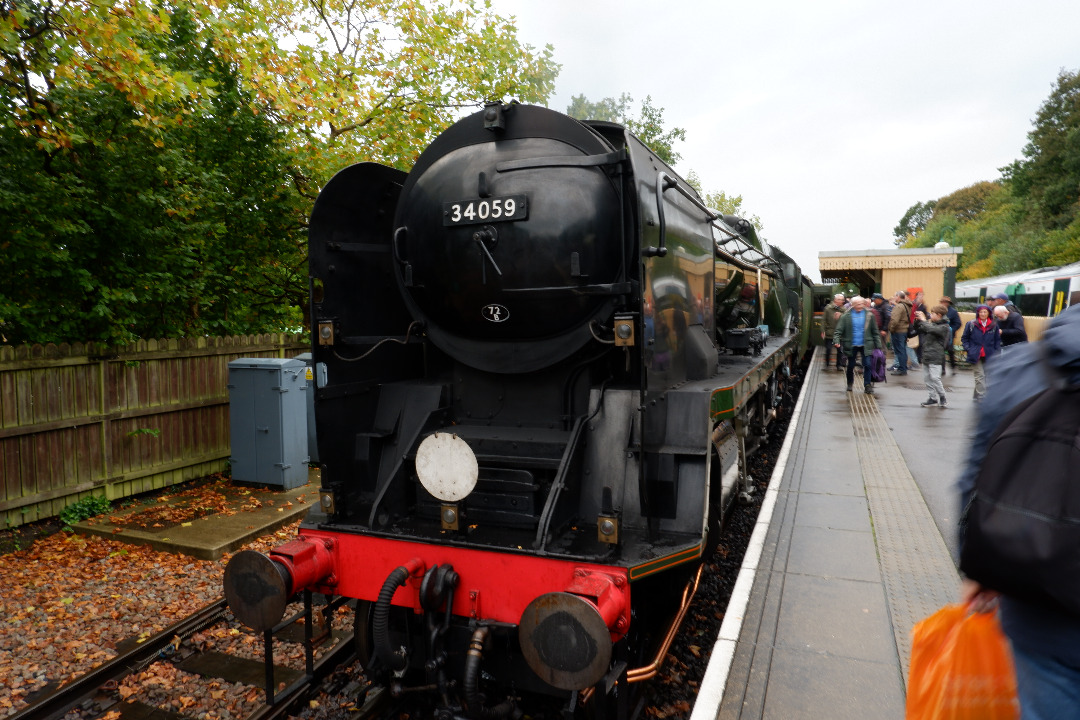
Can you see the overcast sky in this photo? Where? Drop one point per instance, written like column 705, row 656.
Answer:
column 830, row 117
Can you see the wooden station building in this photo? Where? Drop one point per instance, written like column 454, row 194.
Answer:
column 886, row 271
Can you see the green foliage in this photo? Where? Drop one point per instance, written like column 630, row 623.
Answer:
column 968, row 203
column 723, row 203
column 88, row 507
column 606, row 109
column 1030, row 218
column 152, row 432
column 914, row 221
column 1047, row 180
column 158, row 163
column 648, row 126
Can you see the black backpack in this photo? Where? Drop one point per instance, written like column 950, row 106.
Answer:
column 1022, row 525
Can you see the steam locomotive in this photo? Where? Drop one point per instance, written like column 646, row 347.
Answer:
column 541, row 364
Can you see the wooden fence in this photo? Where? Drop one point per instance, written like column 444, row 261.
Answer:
column 79, row 420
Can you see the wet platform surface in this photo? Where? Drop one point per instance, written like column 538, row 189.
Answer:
column 859, row 546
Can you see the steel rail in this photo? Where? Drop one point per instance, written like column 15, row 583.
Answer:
column 58, row 702
column 287, row 700
column 64, row 698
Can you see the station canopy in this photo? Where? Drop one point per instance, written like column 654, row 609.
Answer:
column 886, row 271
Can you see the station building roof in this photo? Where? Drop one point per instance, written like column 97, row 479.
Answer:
column 886, row 271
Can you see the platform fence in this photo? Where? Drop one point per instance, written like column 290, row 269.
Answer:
column 79, row 420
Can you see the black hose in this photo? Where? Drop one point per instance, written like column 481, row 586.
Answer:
column 381, row 621
column 474, row 703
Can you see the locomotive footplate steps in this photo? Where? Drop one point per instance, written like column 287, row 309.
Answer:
column 857, row 551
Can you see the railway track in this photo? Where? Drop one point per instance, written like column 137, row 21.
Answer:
column 94, row 693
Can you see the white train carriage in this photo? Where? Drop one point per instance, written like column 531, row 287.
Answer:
column 1042, row 292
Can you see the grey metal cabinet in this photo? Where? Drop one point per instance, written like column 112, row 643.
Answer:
column 268, row 421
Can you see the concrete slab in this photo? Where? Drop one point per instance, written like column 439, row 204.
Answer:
column 831, row 467
column 833, row 554
column 827, row 686
column 835, row 616
column 837, row 512
column 249, row 513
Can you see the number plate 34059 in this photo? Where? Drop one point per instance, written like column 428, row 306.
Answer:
column 485, row 210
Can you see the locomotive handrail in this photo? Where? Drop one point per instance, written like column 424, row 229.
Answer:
column 610, row 158
column 406, row 268
column 557, row 485
column 398, row 232
column 665, row 182
column 619, row 288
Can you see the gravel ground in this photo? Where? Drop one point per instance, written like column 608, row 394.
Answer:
column 69, row 600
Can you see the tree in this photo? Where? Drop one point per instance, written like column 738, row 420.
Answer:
column 1028, row 219
column 968, row 203
column 648, row 126
column 1048, row 179
column 159, row 161
column 163, row 232
column 914, row 221
column 606, row 109
column 723, row 203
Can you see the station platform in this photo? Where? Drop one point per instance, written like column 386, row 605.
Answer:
column 204, row 524
column 855, row 543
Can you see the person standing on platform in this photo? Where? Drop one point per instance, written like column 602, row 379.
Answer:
column 916, row 306
column 981, row 341
column 856, row 332
column 1017, row 332
column 882, row 310
column 829, row 317
column 1045, row 639
column 954, row 325
column 899, row 321
column 1011, row 324
column 933, row 335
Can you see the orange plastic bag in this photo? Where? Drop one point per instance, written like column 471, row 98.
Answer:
column 961, row 668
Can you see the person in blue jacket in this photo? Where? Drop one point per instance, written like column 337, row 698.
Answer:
column 981, row 341
column 1045, row 640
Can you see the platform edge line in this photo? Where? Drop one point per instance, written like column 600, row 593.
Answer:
column 714, row 682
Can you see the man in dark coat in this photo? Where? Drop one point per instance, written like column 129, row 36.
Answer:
column 882, row 310
column 1012, row 325
column 955, row 324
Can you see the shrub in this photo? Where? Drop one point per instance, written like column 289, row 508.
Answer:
column 88, row 507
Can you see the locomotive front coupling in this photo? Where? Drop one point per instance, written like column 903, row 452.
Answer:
column 566, row 637
column 258, row 587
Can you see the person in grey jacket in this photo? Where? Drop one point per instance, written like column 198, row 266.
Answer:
column 934, row 332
